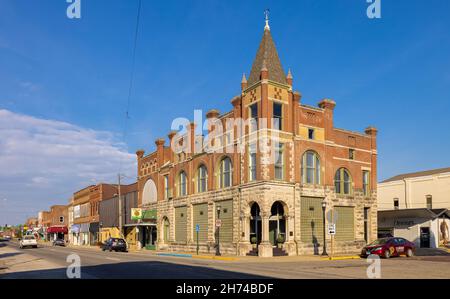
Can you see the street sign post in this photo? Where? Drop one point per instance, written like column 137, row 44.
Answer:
column 197, row 229
column 332, row 229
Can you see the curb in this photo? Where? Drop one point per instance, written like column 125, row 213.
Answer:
column 220, row 258
column 206, row 257
column 337, row 258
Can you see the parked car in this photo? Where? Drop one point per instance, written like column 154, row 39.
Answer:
column 28, row 241
column 59, row 242
column 116, row 244
column 387, row 247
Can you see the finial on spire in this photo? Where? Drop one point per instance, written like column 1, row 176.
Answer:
column 267, row 13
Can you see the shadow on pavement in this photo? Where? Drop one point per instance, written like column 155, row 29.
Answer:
column 431, row 252
column 136, row 270
column 9, row 254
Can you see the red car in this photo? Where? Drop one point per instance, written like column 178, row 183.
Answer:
column 387, row 247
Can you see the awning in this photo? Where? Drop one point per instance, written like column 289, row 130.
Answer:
column 57, row 229
column 149, row 214
column 140, row 224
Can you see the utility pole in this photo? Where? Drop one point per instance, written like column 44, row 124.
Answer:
column 120, row 208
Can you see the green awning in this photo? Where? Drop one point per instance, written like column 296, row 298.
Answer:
column 149, row 214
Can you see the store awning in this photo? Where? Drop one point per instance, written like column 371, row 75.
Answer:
column 57, row 229
column 149, row 214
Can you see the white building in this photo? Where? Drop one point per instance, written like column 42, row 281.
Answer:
column 426, row 189
column 415, row 206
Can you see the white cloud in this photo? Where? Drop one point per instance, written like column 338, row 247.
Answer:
column 42, row 162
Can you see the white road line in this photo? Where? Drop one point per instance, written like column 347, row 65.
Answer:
column 112, row 259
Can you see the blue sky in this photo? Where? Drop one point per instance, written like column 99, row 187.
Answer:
column 392, row 73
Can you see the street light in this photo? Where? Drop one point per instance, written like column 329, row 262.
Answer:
column 324, row 251
column 218, row 232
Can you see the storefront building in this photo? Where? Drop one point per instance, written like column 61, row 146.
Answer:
column 86, row 218
column 57, row 228
column 427, row 228
column 263, row 188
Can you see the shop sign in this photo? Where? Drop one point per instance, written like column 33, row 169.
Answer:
column 136, row 214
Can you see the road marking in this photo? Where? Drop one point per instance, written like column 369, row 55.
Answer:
column 113, row 259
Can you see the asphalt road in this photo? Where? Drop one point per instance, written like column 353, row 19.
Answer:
column 51, row 262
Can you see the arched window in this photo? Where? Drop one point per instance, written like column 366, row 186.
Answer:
column 182, row 179
column 343, row 181
column 202, row 179
column 225, row 174
column 149, row 194
column 311, row 168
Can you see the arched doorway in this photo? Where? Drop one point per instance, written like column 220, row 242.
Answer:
column 166, row 230
column 255, row 224
column 277, row 224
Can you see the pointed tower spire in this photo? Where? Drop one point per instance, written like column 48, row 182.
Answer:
column 244, row 82
column 289, row 75
column 244, row 79
column 289, row 78
column 267, row 59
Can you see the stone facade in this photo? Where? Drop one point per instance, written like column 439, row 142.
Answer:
column 266, row 197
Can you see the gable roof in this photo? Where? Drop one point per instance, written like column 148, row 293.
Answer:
column 417, row 174
column 267, row 57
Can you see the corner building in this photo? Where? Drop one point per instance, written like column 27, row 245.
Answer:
column 266, row 206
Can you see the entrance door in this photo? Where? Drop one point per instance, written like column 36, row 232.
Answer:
column 273, row 232
column 425, row 237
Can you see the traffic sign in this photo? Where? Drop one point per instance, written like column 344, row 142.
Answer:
column 332, row 229
column 197, row 228
column 332, row 216
column 218, row 222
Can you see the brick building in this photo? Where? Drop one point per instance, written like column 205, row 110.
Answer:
column 84, row 213
column 57, row 223
column 268, row 180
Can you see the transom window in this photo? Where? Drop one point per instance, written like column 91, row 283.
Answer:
column 182, row 190
column 225, row 173
column 343, row 181
column 311, row 168
column 202, row 179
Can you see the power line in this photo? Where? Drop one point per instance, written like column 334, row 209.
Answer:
column 130, row 87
